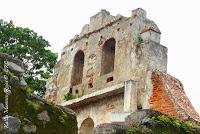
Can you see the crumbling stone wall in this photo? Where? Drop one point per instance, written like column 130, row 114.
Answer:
column 134, row 37
column 168, row 97
column 120, row 54
column 27, row 113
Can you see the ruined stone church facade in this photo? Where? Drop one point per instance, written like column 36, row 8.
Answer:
column 114, row 67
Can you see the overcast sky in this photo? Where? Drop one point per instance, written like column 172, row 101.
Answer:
column 179, row 21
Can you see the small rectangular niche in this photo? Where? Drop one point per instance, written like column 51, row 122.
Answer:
column 90, row 85
column 139, row 107
column 109, row 79
column 70, row 90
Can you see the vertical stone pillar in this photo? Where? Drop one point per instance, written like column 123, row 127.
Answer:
column 130, row 96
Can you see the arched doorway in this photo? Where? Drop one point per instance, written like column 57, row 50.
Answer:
column 108, row 56
column 78, row 68
column 87, row 126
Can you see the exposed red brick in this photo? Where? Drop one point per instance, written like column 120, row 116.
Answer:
column 159, row 95
column 168, row 97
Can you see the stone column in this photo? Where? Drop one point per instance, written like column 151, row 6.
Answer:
column 130, row 96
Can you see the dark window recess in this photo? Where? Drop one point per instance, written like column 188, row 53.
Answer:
column 63, row 53
column 139, row 107
column 108, row 56
column 78, row 68
column 109, row 79
column 90, row 85
column 77, row 91
column 70, row 90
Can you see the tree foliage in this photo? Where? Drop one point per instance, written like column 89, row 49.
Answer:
column 32, row 50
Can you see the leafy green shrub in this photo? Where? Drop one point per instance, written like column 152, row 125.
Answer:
column 69, row 96
column 27, row 90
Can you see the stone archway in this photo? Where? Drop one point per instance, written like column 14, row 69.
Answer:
column 78, row 68
column 87, row 126
column 108, row 56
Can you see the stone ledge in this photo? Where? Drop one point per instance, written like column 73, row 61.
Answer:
column 110, row 128
column 7, row 57
column 118, row 117
column 106, row 92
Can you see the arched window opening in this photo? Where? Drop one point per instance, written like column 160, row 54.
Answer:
column 87, row 126
column 108, row 57
column 77, row 74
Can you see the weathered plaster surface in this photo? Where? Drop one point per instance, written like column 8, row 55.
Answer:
column 103, row 26
column 137, row 53
column 100, row 111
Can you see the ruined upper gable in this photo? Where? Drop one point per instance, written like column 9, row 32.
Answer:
column 126, row 33
column 104, row 19
column 111, row 68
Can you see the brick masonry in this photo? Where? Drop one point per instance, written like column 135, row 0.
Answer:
column 168, row 97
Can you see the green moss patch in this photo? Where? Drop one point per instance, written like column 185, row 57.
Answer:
column 27, row 110
column 164, row 124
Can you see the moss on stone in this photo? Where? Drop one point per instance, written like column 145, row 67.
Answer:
column 27, row 110
column 164, row 124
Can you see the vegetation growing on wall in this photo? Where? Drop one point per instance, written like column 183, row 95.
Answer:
column 34, row 114
column 69, row 96
column 139, row 40
column 27, row 109
column 164, row 124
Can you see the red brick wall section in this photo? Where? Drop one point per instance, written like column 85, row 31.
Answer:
column 168, row 97
column 160, row 100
